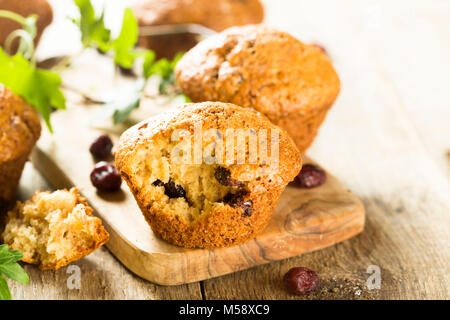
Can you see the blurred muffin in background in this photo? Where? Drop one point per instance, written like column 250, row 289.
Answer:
column 24, row 7
column 20, row 128
column 294, row 84
column 217, row 15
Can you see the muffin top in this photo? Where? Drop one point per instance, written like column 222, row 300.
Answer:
column 260, row 67
column 272, row 164
column 20, row 126
column 214, row 14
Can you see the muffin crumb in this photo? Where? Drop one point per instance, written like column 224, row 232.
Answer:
column 54, row 229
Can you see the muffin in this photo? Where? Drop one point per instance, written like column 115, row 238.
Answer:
column 213, row 14
column 209, row 174
column 54, row 229
column 292, row 83
column 20, row 128
column 25, row 7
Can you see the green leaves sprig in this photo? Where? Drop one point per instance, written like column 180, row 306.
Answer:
column 11, row 269
column 93, row 30
column 40, row 88
column 124, row 52
column 95, row 34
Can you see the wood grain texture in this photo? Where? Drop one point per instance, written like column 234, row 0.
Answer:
column 102, row 276
column 303, row 221
column 386, row 138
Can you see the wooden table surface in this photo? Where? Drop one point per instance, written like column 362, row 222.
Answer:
column 387, row 138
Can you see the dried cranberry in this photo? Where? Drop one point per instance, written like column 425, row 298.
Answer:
column 171, row 189
column 311, row 176
column 301, row 280
column 105, row 177
column 158, row 183
column 101, row 147
column 235, row 199
column 223, row 176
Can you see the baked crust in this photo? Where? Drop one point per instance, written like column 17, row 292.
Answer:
column 222, row 224
column 76, row 233
column 292, row 83
column 20, row 128
column 214, row 14
column 25, row 7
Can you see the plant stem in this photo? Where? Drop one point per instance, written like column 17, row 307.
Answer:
column 13, row 16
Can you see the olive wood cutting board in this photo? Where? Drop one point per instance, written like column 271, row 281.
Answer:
column 304, row 219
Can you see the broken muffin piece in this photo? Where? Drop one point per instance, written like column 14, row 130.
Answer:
column 54, row 229
column 207, row 174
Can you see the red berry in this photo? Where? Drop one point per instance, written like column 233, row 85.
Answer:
column 311, row 176
column 105, row 177
column 101, row 147
column 301, row 280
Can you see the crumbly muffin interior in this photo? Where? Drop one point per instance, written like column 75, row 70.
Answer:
column 52, row 227
column 179, row 188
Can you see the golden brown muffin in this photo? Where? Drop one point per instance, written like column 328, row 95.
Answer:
column 20, row 128
column 25, row 7
column 222, row 198
column 54, row 229
column 213, row 14
column 292, row 83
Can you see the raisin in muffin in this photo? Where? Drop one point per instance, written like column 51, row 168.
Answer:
column 292, row 83
column 25, row 7
column 201, row 184
column 54, row 229
column 213, row 14
column 20, row 128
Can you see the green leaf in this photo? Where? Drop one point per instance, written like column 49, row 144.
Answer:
column 149, row 58
column 121, row 112
column 5, row 294
column 40, row 88
column 123, row 46
column 165, row 69
column 16, row 255
column 11, row 269
column 9, row 256
column 15, row 272
column 121, row 109
column 93, row 30
column 162, row 68
column 5, row 257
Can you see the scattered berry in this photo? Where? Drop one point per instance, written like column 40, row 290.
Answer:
column 311, row 176
column 101, row 147
column 105, row 177
column 301, row 281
